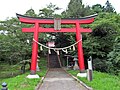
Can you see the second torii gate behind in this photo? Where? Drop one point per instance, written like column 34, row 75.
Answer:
column 37, row 28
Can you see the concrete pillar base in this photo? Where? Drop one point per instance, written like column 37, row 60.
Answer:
column 82, row 74
column 33, row 76
column 32, row 72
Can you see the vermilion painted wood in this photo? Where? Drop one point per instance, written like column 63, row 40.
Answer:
column 79, row 47
column 35, row 50
column 36, row 29
column 52, row 30
column 47, row 21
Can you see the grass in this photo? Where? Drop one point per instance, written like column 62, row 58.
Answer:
column 20, row 82
column 101, row 81
column 7, row 70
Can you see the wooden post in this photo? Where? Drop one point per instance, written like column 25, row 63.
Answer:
column 79, row 47
column 34, row 50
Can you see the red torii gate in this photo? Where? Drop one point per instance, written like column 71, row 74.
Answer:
column 37, row 28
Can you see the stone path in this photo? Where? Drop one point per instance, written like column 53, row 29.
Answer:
column 58, row 79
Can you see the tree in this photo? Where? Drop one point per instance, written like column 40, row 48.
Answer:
column 100, row 42
column 108, row 7
column 31, row 13
column 48, row 11
column 98, row 8
column 77, row 9
column 14, row 46
column 113, row 60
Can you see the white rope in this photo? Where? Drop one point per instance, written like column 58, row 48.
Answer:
column 56, row 49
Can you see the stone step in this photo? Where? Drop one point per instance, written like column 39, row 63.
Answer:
column 53, row 60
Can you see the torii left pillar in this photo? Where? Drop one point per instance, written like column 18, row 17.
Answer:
column 35, row 49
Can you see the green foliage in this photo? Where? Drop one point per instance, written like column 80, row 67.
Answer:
column 13, row 44
column 31, row 13
column 100, row 42
column 76, row 9
column 62, row 40
column 101, row 81
column 48, row 12
column 97, row 8
column 114, row 58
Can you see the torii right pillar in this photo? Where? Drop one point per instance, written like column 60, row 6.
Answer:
column 79, row 30
column 80, row 49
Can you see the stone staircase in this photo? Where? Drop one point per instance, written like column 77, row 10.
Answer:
column 53, row 61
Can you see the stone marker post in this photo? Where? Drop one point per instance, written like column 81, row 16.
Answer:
column 89, row 70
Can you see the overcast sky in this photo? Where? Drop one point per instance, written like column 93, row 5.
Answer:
column 9, row 8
